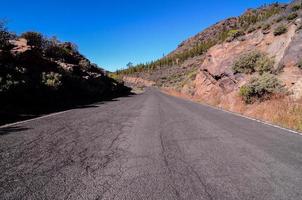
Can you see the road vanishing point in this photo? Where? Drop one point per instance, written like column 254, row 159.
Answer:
column 149, row 146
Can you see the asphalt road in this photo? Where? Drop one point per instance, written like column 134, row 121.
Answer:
column 149, row 146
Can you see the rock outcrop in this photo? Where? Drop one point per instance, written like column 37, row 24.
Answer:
column 53, row 76
column 217, row 78
column 137, row 81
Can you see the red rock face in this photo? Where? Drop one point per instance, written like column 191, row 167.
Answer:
column 20, row 46
column 216, row 78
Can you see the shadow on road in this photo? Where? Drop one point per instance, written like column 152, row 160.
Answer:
column 12, row 115
column 13, row 129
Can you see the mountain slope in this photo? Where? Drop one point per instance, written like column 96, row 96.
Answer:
column 248, row 64
column 39, row 75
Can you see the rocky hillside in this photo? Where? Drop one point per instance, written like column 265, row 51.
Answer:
column 39, row 74
column 250, row 64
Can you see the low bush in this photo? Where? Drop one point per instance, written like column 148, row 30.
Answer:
column 264, row 64
column 246, row 92
column 292, row 16
column 266, row 27
column 281, row 29
column 261, row 88
column 63, row 52
column 34, row 39
column 233, row 34
column 246, row 63
column 52, row 80
column 259, row 15
column 8, row 82
column 56, row 52
column 251, row 29
column 253, row 62
column 296, row 7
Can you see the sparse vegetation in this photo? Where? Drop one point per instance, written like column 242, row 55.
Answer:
column 246, row 23
column 292, row 16
column 52, row 79
column 253, row 62
column 261, row 88
column 175, row 59
column 233, row 34
column 266, row 27
column 49, row 75
column 246, row 63
column 246, row 92
column 170, row 70
column 281, row 29
column 296, row 7
column 8, row 83
column 34, row 39
column 264, row 64
column 251, row 29
column 257, row 15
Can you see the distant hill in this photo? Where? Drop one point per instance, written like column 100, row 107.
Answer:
column 251, row 64
column 39, row 75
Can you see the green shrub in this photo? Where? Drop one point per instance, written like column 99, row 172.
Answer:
column 246, row 63
column 265, row 27
column 8, row 82
column 296, row 7
column 61, row 51
column 253, row 62
column 257, row 15
column 251, row 29
column 246, row 92
column 264, row 64
column 34, row 39
column 292, row 16
column 281, row 29
column 258, row 26
column 52, row 80
column 261, row 88
column 233, row 34
column 56, row 52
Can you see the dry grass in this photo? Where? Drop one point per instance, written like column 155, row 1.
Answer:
column 282, row 111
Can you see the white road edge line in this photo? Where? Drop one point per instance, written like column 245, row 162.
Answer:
column 253, row 119
column 33, row 119
column 239, row 115
column 189, row 100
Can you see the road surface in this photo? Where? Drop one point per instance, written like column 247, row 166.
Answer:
column 149, row 146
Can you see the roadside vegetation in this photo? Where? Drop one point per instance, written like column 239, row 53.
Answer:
column 254, row 61
column 264, row 84
column 261, row 88
column 281, row 29
column 245, row 24
column 39, row 73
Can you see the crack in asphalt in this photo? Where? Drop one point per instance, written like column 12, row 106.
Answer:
column 149, row 146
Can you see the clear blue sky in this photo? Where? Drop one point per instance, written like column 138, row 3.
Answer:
column 113, row 32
